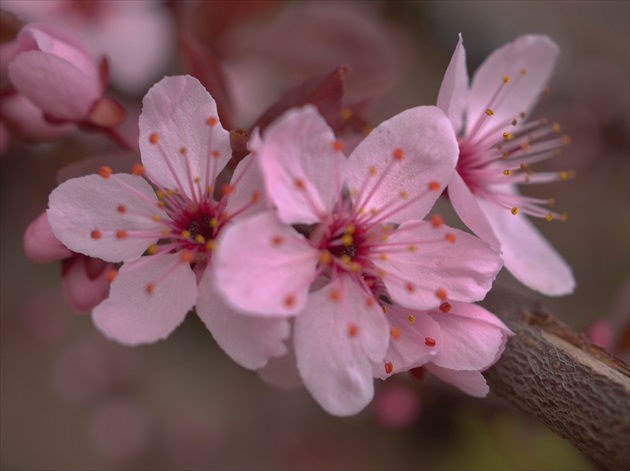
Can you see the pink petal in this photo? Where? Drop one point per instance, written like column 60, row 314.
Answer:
column 29, row 119
column 537, row 54
column 249, row 341
column 463, row 269
column 298, row 150
column 131, row 315
column 468, row 210
column 248, row 186
column 264, row 266
column 80, row 290
column 56, row 86
column 40, row 244
column 527, row 254
column 471, row 382
column 82, row 205
column 176, row 112
column 408, row 346
column 453, row 93
column 472, row 337
column 282, row 372
column 424, row 139
column 336, row 342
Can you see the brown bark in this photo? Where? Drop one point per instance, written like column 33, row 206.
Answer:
column 555, row 374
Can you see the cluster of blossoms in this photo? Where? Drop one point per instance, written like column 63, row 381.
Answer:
column 318, row 267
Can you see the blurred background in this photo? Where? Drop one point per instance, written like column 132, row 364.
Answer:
column 72, row 400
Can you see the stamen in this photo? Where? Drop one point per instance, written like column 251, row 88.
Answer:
column 121, row 208
column 411, row 319
column 514, row 210
column 394, row 332
column 95, row 234
column 398, row 153
column 434, row 186
column 353, row 330
column 110, row 275
column 149, row 288
column 429, row 342
column 441, row 294
column 437, row 221
column 337, row 145
column 212, row 121
column 449, row 236
column 138, row 169
column 445, row 307
column 121, row 234
column 289, row 300
column 389, row 367
column 334, row 294
column 105, row 171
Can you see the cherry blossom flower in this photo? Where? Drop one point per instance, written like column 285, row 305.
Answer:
column 497, row 146
column 348, row 234
column 460, row 340
column 51, row 67
column 162, row 229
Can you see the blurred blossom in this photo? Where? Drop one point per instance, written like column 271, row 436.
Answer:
column 137, row 37
column 190, row 440
column 92, row 368
column 497, row 146
column 273, row 45
column 120, row 429
column 396, row 405
column 43, row 317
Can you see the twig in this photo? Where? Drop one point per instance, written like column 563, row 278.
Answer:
column 577, row 389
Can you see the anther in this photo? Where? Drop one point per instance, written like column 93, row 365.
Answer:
column 445, row 307
column 156, row 217
column 410, row 287
column 334, row 294
column 523, row 70
column 507, row 136
column 522, row 114
column 549, row 217
column 347, row 240
column 449, row 236
column 429, row 342
column 153, row 137
column 434, row 186
column 525, row 146
column 105, row 171
column 353, row 329
column 121, row 208
column 514, row 122
column 398, row 153
column 566, row 140
column 564, row 217
column 149, row 288
column 440, row 293
column 437, row 221
column 200, row 239
column 506, row 78
column 211, row 244
column 216, row 153
column 394, row 332
column 411, row 319
column 110, row 275
column 489, row 112
column 514, row 210
column 289, row 300
column 152, row 249
column 404, row 194
column 186, row 256
column 337, row 145
column 372, row 170
column 369, row 301
column 350, row 229
column 277, row 240
column 255, row 197
column 121, row 234
column 95, row 234
column 389, row 367
column 212, row 121
column 507, row 172
column 412, row 248
column 137, row 169
column 182, row 150
column 325, row 257
column 227, row 189
column 555, row 127
column 551, row 202
column 299, row 183
column 346, row 113
column 546, row 91
column 185, row 234
column 214, row 222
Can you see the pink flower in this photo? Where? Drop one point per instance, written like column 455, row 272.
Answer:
column 51, row 67
column 458, row 340
column 497, row 147
column 348, row 234
column 164, row 234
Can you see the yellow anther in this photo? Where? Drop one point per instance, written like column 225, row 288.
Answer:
column 372, row 170
column 164, row 232
column 185, row 234
column 346, row 113
column 549, row 217
column 525, row 146
column 507, row 136
column 411, row 319
column 161, row 204
column 355, row 267
column 506, row 78
column 214, row 222
column 325, row 257
column 211, row 244
column 505, row 155
column 347, row 239
column 152, row 249
column 200, row 239
column 412, row 248
column 507, row 172
column 384, row 309
column 566, row 140
column 383, row 256
column 345, row 259
column 350, row 229
column 384, row 237
column 159, row 194
column 524, row 167
column 386, row 228
column 546, row 90
column 169, row 191
column 404, row 194
column 523, row 70
column 551, row 202
column 514, row 210
column 555, row 127
column 209, row 189
column 156, row 217
column 489, row 112
column 563, row 175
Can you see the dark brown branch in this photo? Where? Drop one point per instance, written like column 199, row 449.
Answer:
column 555, row 374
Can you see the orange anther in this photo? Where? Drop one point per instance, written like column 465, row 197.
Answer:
column 445, row 307
column 105, row 171
column 337, row 145
column 429, row 342
column 300, row 184
column 211, row 121
column 186, row 256
column 289, row 300
column 450, row 237
column 441, row 294
column 153, row 137
column 335, row 294
column 121, row 208
column 227, row 189
column 277, row 240
column 216, row 153
column 182, row 150
column 255, row 197
column 398, row 153
column 353, row 329
column 110, row 275
column 434, row 186
column 389, row 367
column 410, row 287
column 369, row 302
column 436, row 220
column 149, row 288
column 394, row 332
column 95, row 234
column 121, row 234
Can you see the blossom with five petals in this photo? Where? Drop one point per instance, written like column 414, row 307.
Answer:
column 496, row 148
column 347, row 239
column 163, row 229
